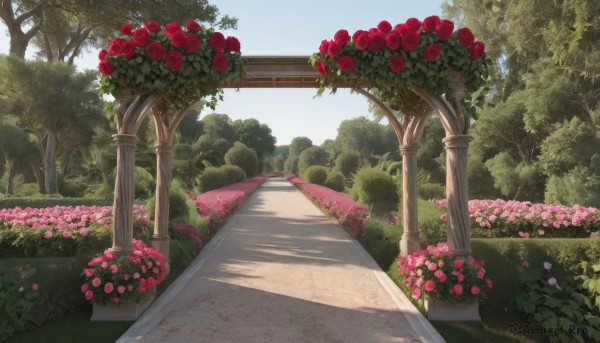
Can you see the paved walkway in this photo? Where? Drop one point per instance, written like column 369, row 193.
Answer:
column 280, row 271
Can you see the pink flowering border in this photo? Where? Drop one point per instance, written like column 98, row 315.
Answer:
column 338, row 205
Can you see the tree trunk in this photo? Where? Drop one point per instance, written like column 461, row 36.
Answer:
column 50, row 165
column 10, row 183
column 39, row 177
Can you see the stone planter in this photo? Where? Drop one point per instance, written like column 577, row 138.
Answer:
column 452, row 311
column 124, row 312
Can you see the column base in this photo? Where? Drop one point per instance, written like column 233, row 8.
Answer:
column 161, row 244
column 409, row 244
column 451, row 311
column 126, row 312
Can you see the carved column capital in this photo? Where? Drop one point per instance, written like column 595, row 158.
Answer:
column 409, row 149
column 163, row 148
column 125, row 139
column 457, row 141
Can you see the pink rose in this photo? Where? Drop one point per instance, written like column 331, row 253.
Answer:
column 126, row 277
column 341, row 37
column 174, row 60
column 444, row 29
column 489, row 283
column 89, row 295
column 130, row 288
column 84, row 288
column 416, row 292
column 458, row 263
column 192, row 26
column 219, row 63
column 430, row 23
column 321, row 67
column 125, row 29
column 410, row 41
column 525, row 264
column 140, row 37
column 152, row 26
column 458, row 289
column 217, row 41
column 155, row 51
column 114, row 269
column 121, row 289
column 475, row 290
column 96, row 282
column 136, row 275
column 384, row 26
column 104, row 265
column 34, row 287
column 88, row 272
column 429, row 285
column 432, row 52
column 232, row 44
column 393, row 40
column 105, row 68
column 108, row 288
column 465, row 37
column 346, row 63
column 116, row 300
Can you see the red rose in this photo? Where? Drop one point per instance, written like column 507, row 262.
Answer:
column 173, row 60
column 102, row 55
column 220, row 63
column 356, row 34
column 401, row 29
column 345, row 63
column 410, row 41
column 155, row 51
column 396, row 63
column 114, row 47
column 333, row 50
column 430, row 23
column 477, row 49
column 323, row 47
column 152, row 26
column 444, row 29
column 193, row 26
column 393, row 40
column 232, row 44
column 126, row 29
column 128, row 49
column 465, row 37
column 432, row 52
column 217, row 41
column 105, row 68
column 321, row 67
column 412, row 24
column 178, row 39
column 192, row 43
column 171, row 29
column 362, row 40
column 140, row 37
column 341, row 37
column 376, row 41
column 384, row 26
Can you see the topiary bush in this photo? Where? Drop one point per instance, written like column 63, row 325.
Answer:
column 310, row 157
column 315, row 174
column 336, row 181
column 243, row 157
column 347, row 162
column 376, row 189
column 144, row 183
column 431, row 190
column 232, row 174
column 213, row 177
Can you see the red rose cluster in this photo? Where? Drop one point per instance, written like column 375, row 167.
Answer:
column 402, row 37
column 145, row 41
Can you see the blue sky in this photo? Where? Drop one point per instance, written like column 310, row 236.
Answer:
column 276, row 27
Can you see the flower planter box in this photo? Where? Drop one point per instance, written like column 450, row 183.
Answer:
column 452, row 311
column 125, row 312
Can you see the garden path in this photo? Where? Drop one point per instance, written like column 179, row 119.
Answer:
column 281, row 271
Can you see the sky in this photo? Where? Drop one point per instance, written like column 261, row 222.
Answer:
column 292, row 27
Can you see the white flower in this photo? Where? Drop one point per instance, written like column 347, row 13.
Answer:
column 547, row 265
column 552, row 282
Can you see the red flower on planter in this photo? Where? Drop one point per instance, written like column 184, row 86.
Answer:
column 178, row 39
column 393, row 40
column 152, row 26
column 396, row 63
column 140, row 37
column 430, row 23
column 333, row 50
column 102, row 55
column 384, row 26
column 232, row 44
column 341, row 37
column 192, row 43
column 465, row 37
column 410, row 41
column 192, row 26
column 323, row 47
column 125, row 29
column 105, row 67
column 171, row 29
column 155, row 51
column 220, row 63
column 174, row 60
column 114, row 47
column 477, row 50
column 217, row 41
column 432, row 52
column 444, row 29
column 128, row 49
column 346, row 63
column 321, row 67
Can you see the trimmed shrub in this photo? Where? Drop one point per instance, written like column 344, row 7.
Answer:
column 336, row 181
column 178, row 208
column 144, row 183
column 431, row 190
column 316, row 175
column 376, row 189
column 213, row 177
column 243, row 157
column 347, row 162
column 311, row 157
column 291, row 164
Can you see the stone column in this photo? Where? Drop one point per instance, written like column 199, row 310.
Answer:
column 160, row 239
column 124, row 194
column 459, row 236
column 409, row 242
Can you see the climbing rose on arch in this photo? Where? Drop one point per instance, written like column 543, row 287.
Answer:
column 346, row 63
column 396, row 63
column 432, row 52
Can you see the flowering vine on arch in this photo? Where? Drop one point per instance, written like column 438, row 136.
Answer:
column 425, row 54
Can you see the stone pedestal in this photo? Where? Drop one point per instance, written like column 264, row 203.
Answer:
column 452, row 311
column 125, row 312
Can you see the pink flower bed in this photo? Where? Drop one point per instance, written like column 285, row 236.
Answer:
column 219, row 204
column 65, row 219
column 526, row 219
column 348, row 212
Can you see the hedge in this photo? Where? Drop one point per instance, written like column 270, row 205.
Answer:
column 51, row 202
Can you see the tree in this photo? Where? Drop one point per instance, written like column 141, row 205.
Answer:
column 365, row 136
column 332, row 149
column 256, row 136
column 243, row 157
column 190, row 128
column 298, row 145
column 219, row 125
column 311, row 157
column 18, row 151
column 514, row 179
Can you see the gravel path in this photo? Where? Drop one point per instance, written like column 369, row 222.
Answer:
column 280, row 271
